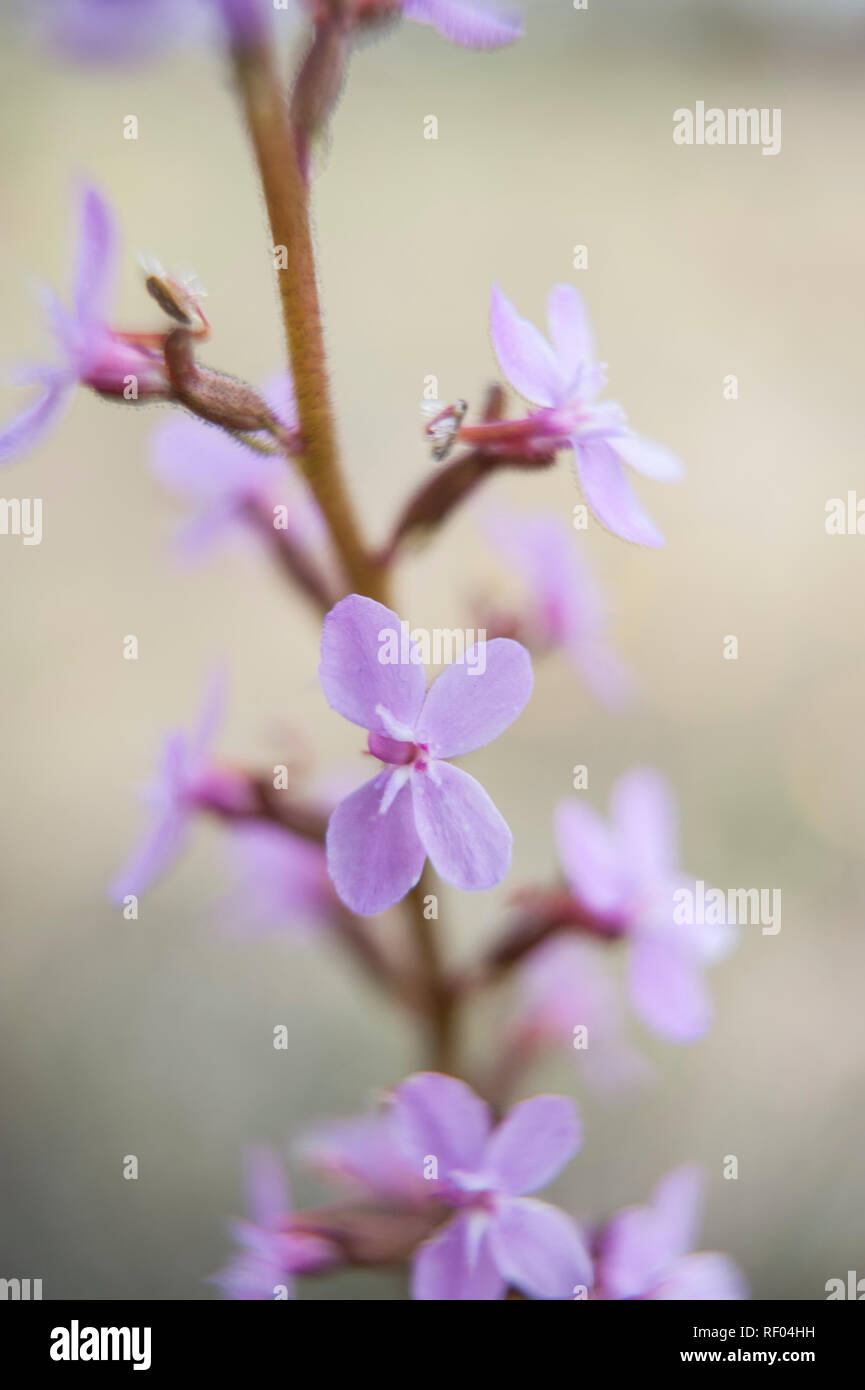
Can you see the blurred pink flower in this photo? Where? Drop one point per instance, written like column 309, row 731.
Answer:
column 626, row 873
column 643, row 1251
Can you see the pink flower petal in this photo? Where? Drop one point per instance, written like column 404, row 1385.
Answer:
column 353, row 678
column 667, row 989
column 469, row 704
column 570, row 331
column 539, row 1250
column 524, row 354
column 373, row 858
column 93, row 278
column 590, row 857
column 466, row 22
column 609, row 495
column 648, row 458
column 678, row 1200
column 440, row 1117
column 643, row 810
column 453, row 1265
column 27, row 429
column 706, row 1275
column 634, row 1253
column 465, row 836
column 161, row 845
column 533, row 1143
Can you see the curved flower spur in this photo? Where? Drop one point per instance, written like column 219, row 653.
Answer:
column 420, row 805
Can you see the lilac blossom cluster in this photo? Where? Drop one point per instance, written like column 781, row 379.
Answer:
column 441, row 1178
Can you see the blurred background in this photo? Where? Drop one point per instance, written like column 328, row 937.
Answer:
column 154, row 1037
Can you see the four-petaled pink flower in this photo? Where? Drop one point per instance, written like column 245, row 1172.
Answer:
column 626, row 874
column 94, row 354
column 500, row 1237
column 565, row 606
column 643, row 1251
column 271, row 1251
column 379, row 837
column 564, row 379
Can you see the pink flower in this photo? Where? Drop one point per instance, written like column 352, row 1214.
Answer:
column 271, row 1251
column 564, row 379
column 643, row 1251
column 626, row 874
column 379, row 837
column 500, row 1237
column 94, row 355
column 565, row 607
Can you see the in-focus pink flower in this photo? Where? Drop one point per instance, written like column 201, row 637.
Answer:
column 643, row 1251
column 93, row 354
column 379, row 837
column 567, row 994
column 564, row 379
column 186, row 781
column 270, row 1252
column 565, row 608
column 234, row 489
column 499, row 1237
column 626, row 874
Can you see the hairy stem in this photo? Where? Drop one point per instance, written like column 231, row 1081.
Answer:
column 440, row 995
column 287, row 203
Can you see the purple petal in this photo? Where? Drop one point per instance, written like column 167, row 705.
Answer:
column 353, row 678
column 465, row 22
column 252, row 1277
column 456, row 1264
column 591, row 858
column 539, row 1250
column 678, row 1200
column 634, row 1253
column 93, row 277
column 268, row 1199
column 703, row 1276
column 438, row 1116
column 570, row 331
column 203, row 464
column 465, row 836
column 373, row 858
column 648, row 458
column 367, row 1153
column 161, row 845
column 109, row 31
column 469, row 705
column 667, row 988
column 609, row 496
column 643, row 810
column 533, row 1143
column 524, row 354
column 282, row 880
column 28, row 428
